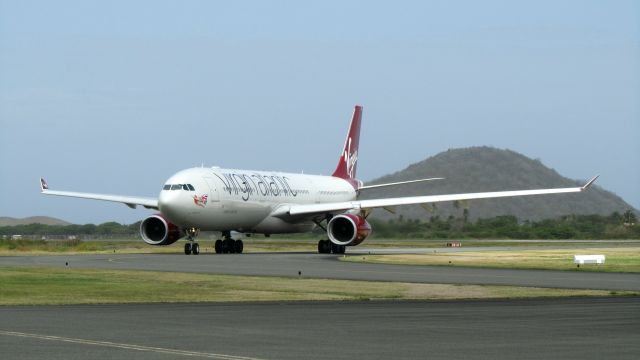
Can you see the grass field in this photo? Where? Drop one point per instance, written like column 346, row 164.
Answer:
column 618, row 259
column 38, row 286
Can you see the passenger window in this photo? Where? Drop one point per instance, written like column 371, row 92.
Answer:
column 167, row 187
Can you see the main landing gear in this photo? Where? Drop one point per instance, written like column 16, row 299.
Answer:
column 327, row 247
column 228, row 245
column 192, row 247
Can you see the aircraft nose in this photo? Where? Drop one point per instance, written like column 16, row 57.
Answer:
column 168, row 203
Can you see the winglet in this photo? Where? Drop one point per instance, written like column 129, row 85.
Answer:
column 588, row 184
column 43, row 185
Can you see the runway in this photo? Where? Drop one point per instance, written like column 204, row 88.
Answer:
column 329, row 266
column 524, row 329
column 501, row 329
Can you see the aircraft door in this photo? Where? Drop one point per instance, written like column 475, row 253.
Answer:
column 214, row 197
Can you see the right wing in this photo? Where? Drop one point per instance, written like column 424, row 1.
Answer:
column 130, row 201
column 328, row 208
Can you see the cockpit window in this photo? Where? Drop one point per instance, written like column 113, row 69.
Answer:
column 185, row 187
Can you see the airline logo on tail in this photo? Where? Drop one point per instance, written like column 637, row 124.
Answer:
column 346, row 168
column 350, row 160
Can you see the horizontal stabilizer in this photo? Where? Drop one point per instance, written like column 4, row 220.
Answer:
column 364, row 187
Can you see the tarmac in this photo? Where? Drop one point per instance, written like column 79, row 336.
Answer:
column 330, row 267
column 568, row 328
column 579, row 328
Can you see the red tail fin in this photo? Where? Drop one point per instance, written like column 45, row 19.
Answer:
column 346, row 168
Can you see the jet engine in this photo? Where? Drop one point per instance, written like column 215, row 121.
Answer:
column 348, row 229
column 156, row 230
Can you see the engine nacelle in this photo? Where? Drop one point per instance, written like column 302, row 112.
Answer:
column 156, row 230
column 348, row 229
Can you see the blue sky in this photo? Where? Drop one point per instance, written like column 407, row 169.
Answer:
column 115, row 96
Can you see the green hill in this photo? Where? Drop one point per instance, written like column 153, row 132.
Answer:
column 480, row 169
column 45, row 220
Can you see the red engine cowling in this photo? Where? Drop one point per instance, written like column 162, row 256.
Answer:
column 156, row 230
column 348, row 229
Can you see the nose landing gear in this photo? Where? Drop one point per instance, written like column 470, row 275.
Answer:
column 192, row 247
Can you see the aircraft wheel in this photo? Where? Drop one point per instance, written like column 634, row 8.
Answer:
column 324, row 247
column 224, row 247
column 195, row 249
column 238, row 246
column 227, row 246
column 231, row 246
column 327, row 246
column 218, row 246
column 187, row 248
column 337, row 249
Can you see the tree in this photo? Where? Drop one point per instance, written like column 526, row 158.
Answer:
column 630, row 218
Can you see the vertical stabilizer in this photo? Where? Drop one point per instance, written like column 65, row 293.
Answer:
column 346, row 168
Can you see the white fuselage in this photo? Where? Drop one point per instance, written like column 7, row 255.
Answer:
column 215, row 199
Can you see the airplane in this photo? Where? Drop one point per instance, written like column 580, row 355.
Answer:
column 267, row 202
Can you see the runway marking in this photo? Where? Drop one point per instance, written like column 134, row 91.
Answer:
column 127, row 346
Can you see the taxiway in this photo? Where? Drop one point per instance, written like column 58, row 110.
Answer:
column 584, row 328
column 329, row 267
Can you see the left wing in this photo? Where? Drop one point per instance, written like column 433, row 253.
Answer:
column 130, row 201
column 412, row 200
